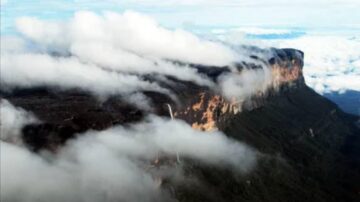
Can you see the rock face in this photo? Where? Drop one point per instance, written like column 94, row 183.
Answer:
column 309, row 149
column 310, row 152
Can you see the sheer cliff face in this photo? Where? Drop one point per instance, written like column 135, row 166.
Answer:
column 207, row 107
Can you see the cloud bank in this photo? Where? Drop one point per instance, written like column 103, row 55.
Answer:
column 133, row 33
column 113, row 53
column 29, row 70
column 116, row 164
column 110, row 59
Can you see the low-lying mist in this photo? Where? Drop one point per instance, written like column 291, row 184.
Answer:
column 117, row 164
column 111, row 53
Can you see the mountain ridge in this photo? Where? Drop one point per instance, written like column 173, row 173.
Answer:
column 308, row 148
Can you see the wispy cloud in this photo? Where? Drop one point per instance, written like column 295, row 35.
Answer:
column 109, row 54
column 116, row 164
column 12, row 119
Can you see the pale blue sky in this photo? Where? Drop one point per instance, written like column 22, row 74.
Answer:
column 329, row 14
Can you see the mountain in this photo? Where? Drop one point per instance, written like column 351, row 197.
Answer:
column 308, row 149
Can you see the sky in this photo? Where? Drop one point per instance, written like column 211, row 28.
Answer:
column 177, row 13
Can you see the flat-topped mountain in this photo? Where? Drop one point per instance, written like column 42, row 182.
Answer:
column 308, row 149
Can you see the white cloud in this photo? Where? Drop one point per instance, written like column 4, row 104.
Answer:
column 33, row 69
column 99, row 175
column 246, row 84
column 133, row 32
column 12, row 44
column 115, row 164
column 130, row 43
column 12, row 119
